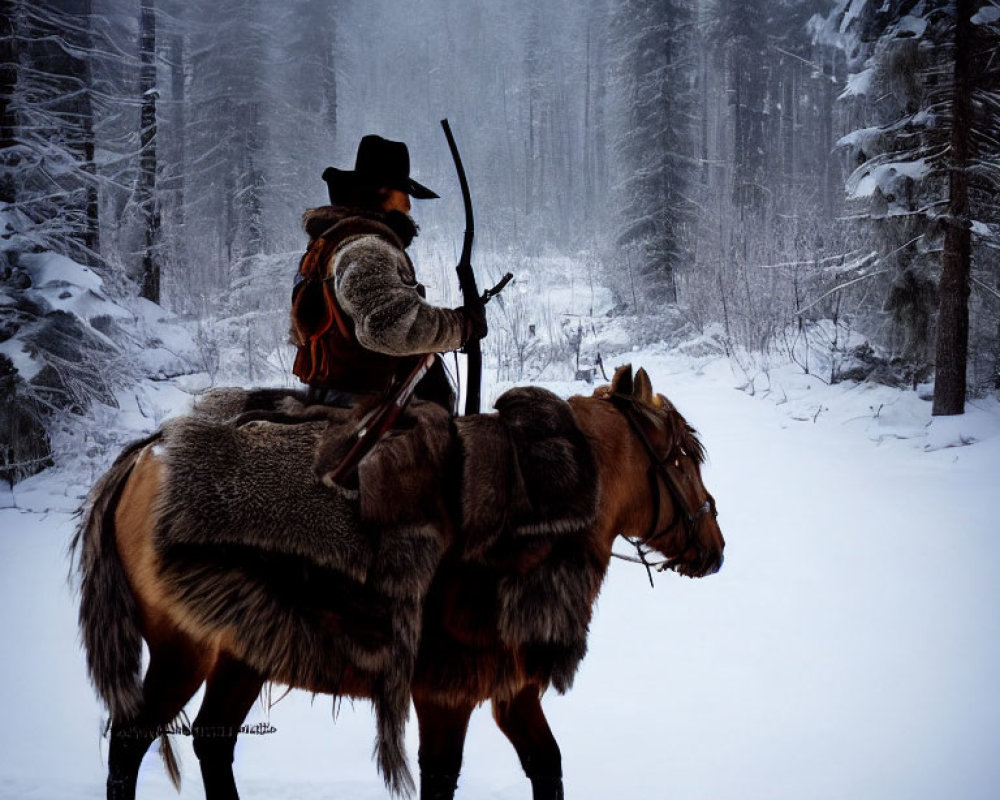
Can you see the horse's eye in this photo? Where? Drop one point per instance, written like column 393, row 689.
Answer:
column 684, row 452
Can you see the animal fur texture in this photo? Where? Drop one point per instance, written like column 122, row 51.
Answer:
column 109, row 616
column 529, row 483
column 251, row 542
column 312, row 582
column 376, row 285
column 527, row 470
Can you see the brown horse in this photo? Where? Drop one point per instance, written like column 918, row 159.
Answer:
column 648, row 468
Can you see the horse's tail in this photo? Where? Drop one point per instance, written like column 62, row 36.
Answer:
column 170, row 761
column 109, row 615
column 391, row 695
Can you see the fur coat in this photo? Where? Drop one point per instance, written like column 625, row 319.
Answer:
column 377, row 287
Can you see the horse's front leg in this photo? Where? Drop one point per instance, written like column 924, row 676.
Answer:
column 442, row 740
column 523, row 722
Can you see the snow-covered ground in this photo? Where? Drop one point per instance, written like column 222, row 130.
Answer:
column 849, row 647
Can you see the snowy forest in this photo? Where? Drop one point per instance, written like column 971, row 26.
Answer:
column 794, row 181
column 786, row 212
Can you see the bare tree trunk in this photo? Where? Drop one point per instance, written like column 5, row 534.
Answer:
column 54, row 61
column 703, row 122
column 598, row 121
column 788, row 124
column 329, row 78
column 146, row 190
column 8, row 79
column 252, row 191
column 92, row 236
column 953, row 308
column 588, row 138
column 178, row 99
column 830, row 180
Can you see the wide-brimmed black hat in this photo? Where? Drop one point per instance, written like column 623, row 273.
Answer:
column 380, row 162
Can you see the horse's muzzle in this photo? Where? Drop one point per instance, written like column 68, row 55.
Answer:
column 704, row 556
column 700, row 567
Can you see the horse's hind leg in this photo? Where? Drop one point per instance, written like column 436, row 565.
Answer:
column 175, row 672
column 442, row 740
column 523, row 722
column 229, row 694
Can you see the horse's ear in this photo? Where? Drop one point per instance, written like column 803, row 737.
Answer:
column 642, row 389
column 621, row 383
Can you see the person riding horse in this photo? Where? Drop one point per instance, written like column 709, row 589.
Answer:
column 360, row 319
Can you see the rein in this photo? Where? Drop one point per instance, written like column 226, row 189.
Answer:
column 656, row 473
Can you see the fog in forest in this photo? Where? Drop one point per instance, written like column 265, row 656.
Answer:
column 794, row 180
column 785, row 211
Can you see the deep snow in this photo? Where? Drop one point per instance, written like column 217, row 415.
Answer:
column 849, row 647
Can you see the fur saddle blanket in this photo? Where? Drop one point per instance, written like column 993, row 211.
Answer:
column 310, row 587
column 315, row 581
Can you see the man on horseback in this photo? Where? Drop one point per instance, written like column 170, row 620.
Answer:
column 360, row 319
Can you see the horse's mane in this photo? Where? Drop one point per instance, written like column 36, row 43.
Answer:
column 681, row 434
column 685, row 436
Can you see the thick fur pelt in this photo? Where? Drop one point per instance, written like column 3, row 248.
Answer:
column 251, row 542
column 229, row 485
column 529, row 506
column 320, row 220
column 527, row 471
column 109, row 614
column 314, row 581
column 228, row 403
column 377, row 287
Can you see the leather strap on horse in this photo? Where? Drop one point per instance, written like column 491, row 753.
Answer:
column 376, row 423
column 658, row 470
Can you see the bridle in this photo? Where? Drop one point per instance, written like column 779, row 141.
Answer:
column 658, row 473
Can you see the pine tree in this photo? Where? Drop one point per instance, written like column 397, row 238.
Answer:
column 925, row 168
column 50, row 112
column 740, row 28
column 984, row 200
column 972, row 96
column 595, row 124
column 49, row 190
column 655, row 147
column 895, row 181
column 225, row 139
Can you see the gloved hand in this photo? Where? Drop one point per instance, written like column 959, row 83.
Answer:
column 475, row 323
